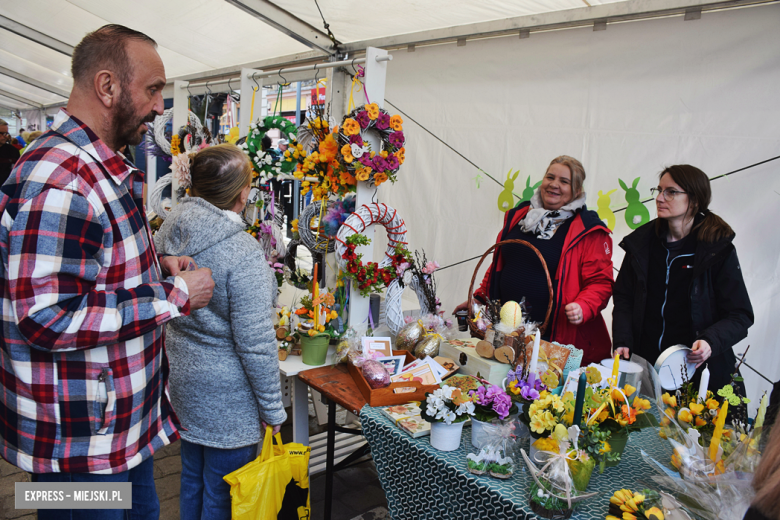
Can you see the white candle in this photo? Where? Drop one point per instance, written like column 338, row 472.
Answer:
column 535, row 355
column 705, row 382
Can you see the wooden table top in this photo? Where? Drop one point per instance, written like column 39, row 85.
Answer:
column 336, row 384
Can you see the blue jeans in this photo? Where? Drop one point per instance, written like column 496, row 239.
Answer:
column 146, row 505
column 204, row 495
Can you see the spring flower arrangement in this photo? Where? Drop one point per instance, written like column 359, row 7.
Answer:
column 546, row 412
column 448, row 405
column 355, row 154
column 520, row 389
column 278, row 270
column 627, row 505
column 371, row 278
column 305, row 312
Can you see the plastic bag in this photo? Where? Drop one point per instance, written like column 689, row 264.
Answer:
column 274, row 485
column 497, row 445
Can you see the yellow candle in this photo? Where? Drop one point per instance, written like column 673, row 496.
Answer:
column 615, row 369
column 718, row 433
column 315, row 292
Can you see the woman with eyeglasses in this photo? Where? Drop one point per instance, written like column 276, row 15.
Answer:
column 681, row 283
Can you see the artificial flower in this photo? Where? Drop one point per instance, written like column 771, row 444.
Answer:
column 628, row 390
column 401, row 155
column 363, row 119
column 641, row 404
column 696, row 408
column 699, row 422
column 397, row 139
column 685, row 416
column 392, row 162
column 670, row 400
column 712, row 404
column 396, row 123
column 347, row 178
column 346, row 152
column 362, row 174
column 538, row 424
column 382, row 121
column 351, row 127
column 629, row 414
column 328, row 148
column 654, row 514
column 379, row 178
column 373, row 110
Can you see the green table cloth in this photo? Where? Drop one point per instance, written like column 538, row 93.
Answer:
column 423, row 483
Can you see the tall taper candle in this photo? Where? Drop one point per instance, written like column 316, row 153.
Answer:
column 718, row 433
column 704, row 384
column 534, row 357
column 315, row 292
column 583, row 383
column 616, row 369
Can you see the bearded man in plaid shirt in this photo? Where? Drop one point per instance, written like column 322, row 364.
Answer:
column 85, row 298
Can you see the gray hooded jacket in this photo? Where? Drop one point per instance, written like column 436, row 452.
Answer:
column 224, row 363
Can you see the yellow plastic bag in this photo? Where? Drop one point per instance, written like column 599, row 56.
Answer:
column 273, row 486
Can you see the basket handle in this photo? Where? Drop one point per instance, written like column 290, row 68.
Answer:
column 543, row 326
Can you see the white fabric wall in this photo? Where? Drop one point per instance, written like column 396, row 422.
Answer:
column 626, row 101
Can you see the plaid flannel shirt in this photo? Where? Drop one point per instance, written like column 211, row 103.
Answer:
column 82, row 368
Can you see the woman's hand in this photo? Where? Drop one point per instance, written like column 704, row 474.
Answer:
column 623, row 352
column 276, row 428
column 574, row 313
column 700, row 352
column 462, row 307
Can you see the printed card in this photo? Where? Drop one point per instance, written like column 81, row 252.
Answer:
column 415, row 426
column 402, row 411
column 393, row 364
column 383, row 345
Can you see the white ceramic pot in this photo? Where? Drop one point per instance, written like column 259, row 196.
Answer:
column 446, row 437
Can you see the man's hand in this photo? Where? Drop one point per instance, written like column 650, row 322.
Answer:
column 462, row 307
column 173, row 265
column 623, row 351
column 574, row 313
column 700, row 352
column 200, row 286
column 276, row 428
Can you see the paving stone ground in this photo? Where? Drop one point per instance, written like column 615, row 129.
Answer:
column 357, row 494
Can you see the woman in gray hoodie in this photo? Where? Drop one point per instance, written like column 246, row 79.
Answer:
column 224, row 379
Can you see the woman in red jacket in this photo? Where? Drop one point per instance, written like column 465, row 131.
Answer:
column 577, row 247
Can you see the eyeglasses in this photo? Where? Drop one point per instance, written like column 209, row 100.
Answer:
column 669, row 193
column 5, row 134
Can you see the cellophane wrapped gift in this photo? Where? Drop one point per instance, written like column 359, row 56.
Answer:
column 495, row 454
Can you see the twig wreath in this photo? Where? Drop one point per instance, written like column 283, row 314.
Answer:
column 194, row 129
column 355, row 154
column 264, row 162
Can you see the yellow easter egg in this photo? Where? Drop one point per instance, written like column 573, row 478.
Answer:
column 511, row 315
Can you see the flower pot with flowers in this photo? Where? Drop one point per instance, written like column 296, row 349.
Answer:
column 447, row 410
column 315, row 328
column 491, row 405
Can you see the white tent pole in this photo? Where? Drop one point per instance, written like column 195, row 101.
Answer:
column 248, row 85
column 181, row 109
column 374, row 83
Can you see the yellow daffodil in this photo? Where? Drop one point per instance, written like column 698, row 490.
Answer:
column 712, row 404
column 696, row 408
column 629, row 516
column 628, row 390
column 641, row 404
column 685, row 415
column 312, row 332
column 669, row 400
column 654, row 514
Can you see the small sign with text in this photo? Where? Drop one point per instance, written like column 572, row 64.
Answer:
column 73, row 495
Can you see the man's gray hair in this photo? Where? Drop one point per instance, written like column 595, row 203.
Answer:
column 3, row 122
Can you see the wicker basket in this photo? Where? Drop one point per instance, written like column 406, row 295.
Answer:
column 475, row 332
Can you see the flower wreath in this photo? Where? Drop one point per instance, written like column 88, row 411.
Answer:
column 318, row 157
column 355, row 154
column 264, row 162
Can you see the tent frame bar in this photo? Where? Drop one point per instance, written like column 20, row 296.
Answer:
column 305, row 68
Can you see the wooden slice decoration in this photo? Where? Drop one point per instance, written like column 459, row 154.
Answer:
column 505, row 355
column 281, row 333
column 485, row 349
column 282, row 355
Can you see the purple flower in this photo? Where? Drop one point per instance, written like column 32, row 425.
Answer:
column 363, row 119
column 397, row 139
column 366, row 161
column 383, row 121
column 529, row 394
column 356, row 139
column 392, row 162
column 380, row 164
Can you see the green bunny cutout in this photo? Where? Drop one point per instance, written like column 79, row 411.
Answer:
column 529, row 190
column 604, row 212
column 636, row 212
column 506, row 199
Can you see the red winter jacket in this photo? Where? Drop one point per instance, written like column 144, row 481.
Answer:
column 584, row 276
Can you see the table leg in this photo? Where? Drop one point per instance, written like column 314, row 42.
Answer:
column 300, row 410
column 329, row 457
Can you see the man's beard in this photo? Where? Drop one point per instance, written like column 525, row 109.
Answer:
column 126, row 125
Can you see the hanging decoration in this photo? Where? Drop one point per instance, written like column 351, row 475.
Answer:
column 265, row 163
column 354, row 151
column 320, row 221
column 636, row 212
column 506, row 199
column 605, row 213
column 192, row 135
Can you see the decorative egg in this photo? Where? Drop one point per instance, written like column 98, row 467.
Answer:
column 428, row 346
column 376, row 374
column 511, row 315
column 408, row 336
